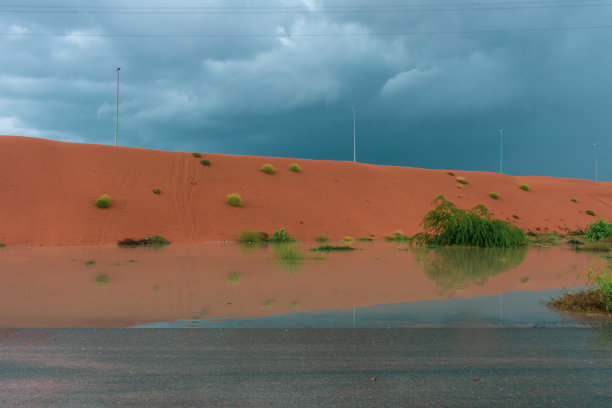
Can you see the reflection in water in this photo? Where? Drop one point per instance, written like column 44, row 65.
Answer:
column 102, row 280
column 450, row 267
column 233, row 278
column 267, row 304
column 294, row 304
column 287, row 257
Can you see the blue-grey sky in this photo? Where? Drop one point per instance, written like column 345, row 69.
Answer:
column 433, row 80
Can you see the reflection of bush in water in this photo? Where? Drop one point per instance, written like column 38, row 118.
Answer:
column 233, row 278
column 102, row 281
column 451, row 266
column 287, row 257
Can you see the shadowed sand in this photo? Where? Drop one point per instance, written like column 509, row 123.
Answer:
column 49, row 188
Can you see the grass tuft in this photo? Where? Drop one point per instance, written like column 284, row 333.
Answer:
column 329, row 248
column 294, row 167
column 448, row 224
column 156, row 191
column 234, row 200
column 575, row 200
column 321, row 238
column 462, row 180
column 590, row 212
column 196, row 155
column 248, row 236
column 398, row 237
column 205, row 162
column 156, row 240
column 348, row 239
column 524, row 187
column 90, row 262
column 268, row 169
column 494, row 196
column 281, row 236
column 104, row 201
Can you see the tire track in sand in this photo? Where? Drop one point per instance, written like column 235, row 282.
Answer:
column 182, row 196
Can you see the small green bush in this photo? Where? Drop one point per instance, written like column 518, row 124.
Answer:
column 234, row 200
column 348, row 239
column 156, row 191
column 157, row 240
column 494, row 196
column 321, row 238
column 462, row 180
column 602, row 283
column 575, row 200
column 294, row 167
column 248, row 236
column 524, row 187
column 90, row 262
column 2, row 245
column 590, row 212
column 281, row 236
column 599, row 229
column 104, row 201
column 268, row 169
column 205, row 162
column 196, row 155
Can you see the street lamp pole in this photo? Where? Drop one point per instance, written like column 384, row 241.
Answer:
column 501, row 149
column 354, row 136
column 117, row 119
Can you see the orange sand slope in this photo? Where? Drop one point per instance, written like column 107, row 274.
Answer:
column 48, row 191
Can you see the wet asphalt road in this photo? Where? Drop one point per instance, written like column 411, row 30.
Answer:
column 305, row 367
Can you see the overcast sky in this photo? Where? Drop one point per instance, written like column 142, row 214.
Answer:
column 433, row 80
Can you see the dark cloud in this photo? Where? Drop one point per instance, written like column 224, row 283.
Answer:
column 433, row 101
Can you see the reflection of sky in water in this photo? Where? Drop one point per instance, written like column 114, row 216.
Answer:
column 523, row 309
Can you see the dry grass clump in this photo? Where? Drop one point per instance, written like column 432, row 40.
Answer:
column 524, row 187
column 582, row 301
column 234, row 200
column 462, row 180
column 294, row 167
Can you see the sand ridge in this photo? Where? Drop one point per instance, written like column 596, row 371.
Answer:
column 48, row 189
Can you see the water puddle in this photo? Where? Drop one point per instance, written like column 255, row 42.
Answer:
column 230, row 285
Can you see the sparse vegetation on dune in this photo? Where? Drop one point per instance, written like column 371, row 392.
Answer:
column 462, row 180
column 156, row 191
column 575, row 200
column 590, row 212
column 448, row 224
column 524, row 187
column 196, row 155
column 234, row 200
column 104, row 201
column 348, row 239
column 494, row 196
column 294, row 167
column 321, row 238
column 268, row 169
column 205, row 162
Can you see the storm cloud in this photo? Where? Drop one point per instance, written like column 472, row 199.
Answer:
column 433, row 81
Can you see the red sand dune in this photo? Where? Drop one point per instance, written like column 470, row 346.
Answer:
column 48, row 191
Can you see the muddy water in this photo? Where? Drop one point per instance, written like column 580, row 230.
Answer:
column 211, row 284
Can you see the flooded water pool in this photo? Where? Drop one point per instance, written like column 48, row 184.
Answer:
column 380, row 284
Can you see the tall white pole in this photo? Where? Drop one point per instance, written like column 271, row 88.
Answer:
column 501, row 149
column 354, row 137
column 117, row 119
column 596, row 144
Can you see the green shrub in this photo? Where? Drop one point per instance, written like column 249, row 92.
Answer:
column 599, row 229
column 2, row 245
column 590, row 212
column 104, row 201
column 234, row 200
column 524, row 187
column 575, row 200
column 157, row 240
column 348, row 239
column 196, row 155
column 156, row 191
column 448, row 224
column 366, row 239
column 281, row 236
column 602, row 283
column 398, row 237
column 321, row 238
column 248, row 236
column 329, row 248
column 494, row 196
column 294, row 167
column 268, row 169
column 462, row 180
column 205, row 162
column 90, row 262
